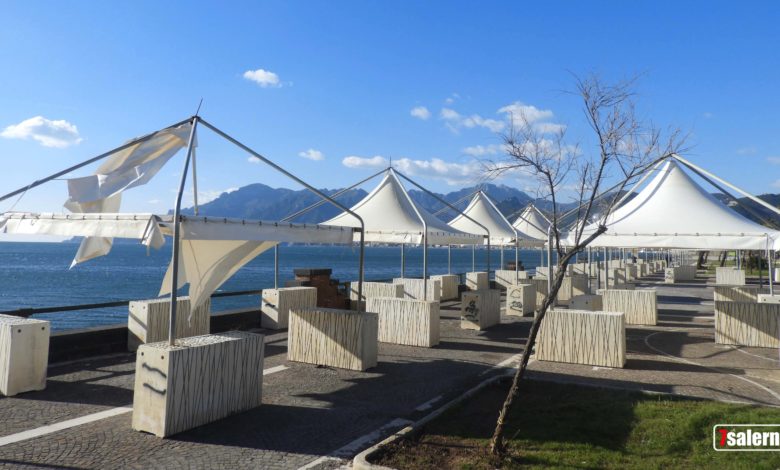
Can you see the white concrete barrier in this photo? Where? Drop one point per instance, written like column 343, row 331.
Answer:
column 639, row 306
column 200, row 380
column 735, row 293
column 375, row 289
column 24, row 354
column 747, row 324
column 449, row 286
column 477, row 280
column 586, row 302
column 275, row 304
column 414, row 289
column 148, row 320
column 480, row 309
column 583, row 337
column 729, row 276
column 506, row 278
column 520, row 300
column 405, row 321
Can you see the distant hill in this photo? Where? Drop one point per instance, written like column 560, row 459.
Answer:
column 259, row 201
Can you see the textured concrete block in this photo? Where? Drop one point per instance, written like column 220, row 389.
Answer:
column 275, row 304
column 541, row 290
column 506, row 278
column 374, row 289
column 735, row 293
column 729, row 276
column 521, row 300
column 449, row 286
column 747, row 324
column 24, row 354
column 480, row 309
column 768, row 299
column 590, row 303
column 200, row 380
column 331, row 337
column 148, row 320
column 639, row 306
column 477, row 281
column 407, row 322
column 582, row 337
column 414, row 289
column 679, row 274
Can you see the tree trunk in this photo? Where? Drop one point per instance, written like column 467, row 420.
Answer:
column 497, row 443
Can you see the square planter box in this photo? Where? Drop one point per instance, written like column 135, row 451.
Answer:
column 735, row 293
column 521, row 300
column 618, row 276
column 407, row 322
column 200, row 380
column 586, row 302
column 414, row 289
column 747, row 324
column 480, row 309
column 506, row 278
column 275, row 304
column 768, row 299
column 541, row 291
column 582, row 337
column 332, row 337
column 449, row 286
column 24, row 354
column 729, row 276
column 477, row 281
column 632, row 273
column 374, row 289
column 148, row 320
column 639, row 306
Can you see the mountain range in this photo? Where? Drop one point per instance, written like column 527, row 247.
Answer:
column 261, row 202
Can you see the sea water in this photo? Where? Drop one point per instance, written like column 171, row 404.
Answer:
column 37, row 274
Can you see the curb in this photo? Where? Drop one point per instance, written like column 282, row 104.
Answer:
column 360, row 462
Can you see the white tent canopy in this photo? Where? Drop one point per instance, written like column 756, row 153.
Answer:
column 390, row 216
column 532, row 223
column 482, row 210
column 213, row 249
column 672, row 211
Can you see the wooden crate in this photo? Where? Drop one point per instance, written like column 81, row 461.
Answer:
column 200, row 380
column 520, row 300
column 583, row 337
column 24, row 354
column 332, row 337
column 480, row 309
column 414, row 289
column 449, row 286
column 148, row 320
column 747, row 324
column 275, row 304
column 477, row 281
column 405, row 321
column 639, row 306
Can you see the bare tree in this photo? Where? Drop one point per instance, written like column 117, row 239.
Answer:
column 621, row 149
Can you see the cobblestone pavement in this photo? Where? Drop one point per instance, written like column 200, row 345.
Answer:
column 313, row 412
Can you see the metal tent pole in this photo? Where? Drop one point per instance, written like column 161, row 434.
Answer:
column 177, row 236
column 403, row 260
column 770, row 259
column 449, row 259
column 606, row 268
column 517, row 260
column 276, row 266
column 473, row 258
column 425, row 265
column 501, row 248
column 590, row 259
column 549, row 260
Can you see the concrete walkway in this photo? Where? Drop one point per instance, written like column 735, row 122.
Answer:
column 320, row 417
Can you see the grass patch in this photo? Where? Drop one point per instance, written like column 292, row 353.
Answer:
column 559, row 425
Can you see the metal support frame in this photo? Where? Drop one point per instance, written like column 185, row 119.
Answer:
column 449, row 259
column 276, row 266
column 403, row 260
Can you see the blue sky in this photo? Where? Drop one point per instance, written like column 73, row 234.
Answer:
column 346, row 76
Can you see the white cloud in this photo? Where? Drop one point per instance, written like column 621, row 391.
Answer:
column 773, row 160
column 455, row 121
column 549, row 127
column 365, row 162
column 311, row 154
column 452, row 98
column 449, row 114
column 153, row 201
column 532, row 114
column 708, row 115
column 420, row 112
column 208, row 195
column 264, row 78
column 58, row 134
column 483, row 150
column 747, row 151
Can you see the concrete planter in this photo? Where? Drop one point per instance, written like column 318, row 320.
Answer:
column 520, row 300
column 582, row 337
column 541, row 291
column 332, row 337
column 24, row 354
column 200, row 380
column 639, row 306
column 477, row 281
column 414, row 289
column 149, row 320
column 374, row 289
column 506, row 278
column 407, row 322
column 590, row 303
column 480, row 309
column 275, row 304
column 735, row 293
column 729, row 276
column 747, row 324
column 679, row 274
column 449, row 286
